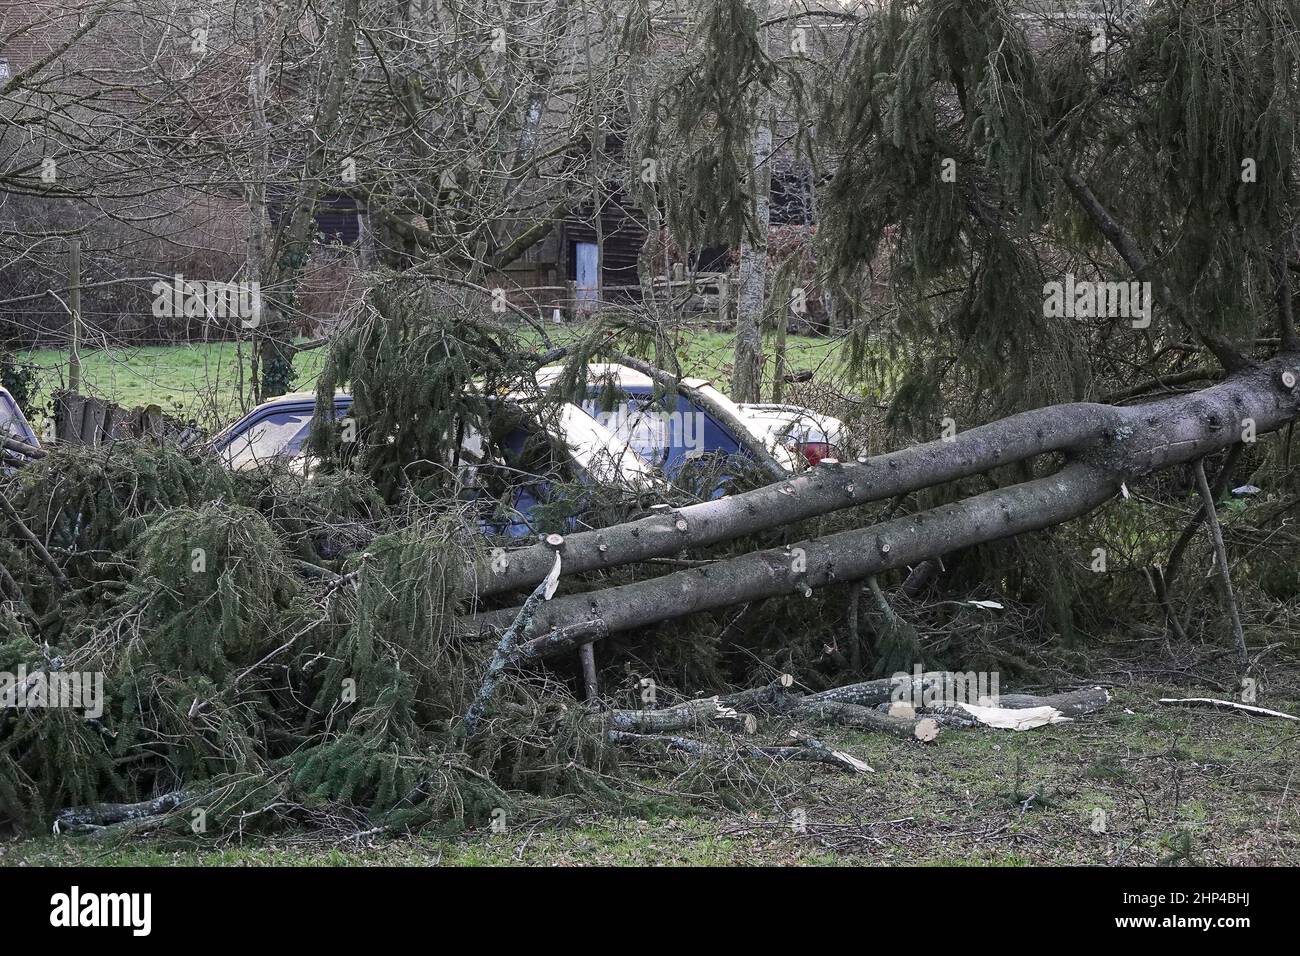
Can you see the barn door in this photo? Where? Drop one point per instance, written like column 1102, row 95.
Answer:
column 587, row 259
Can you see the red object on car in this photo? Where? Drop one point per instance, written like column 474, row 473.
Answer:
column 815, row 451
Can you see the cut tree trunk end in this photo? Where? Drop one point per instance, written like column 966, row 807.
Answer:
column 924, row 729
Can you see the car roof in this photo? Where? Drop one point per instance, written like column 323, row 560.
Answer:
column 623, row 375
column 295, row 398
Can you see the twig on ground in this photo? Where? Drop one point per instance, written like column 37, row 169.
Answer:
column 1226, row 705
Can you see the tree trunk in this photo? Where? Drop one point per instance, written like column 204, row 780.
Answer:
column 258, row 92
column 1221, row 559
column 746, row 378
column 292, row 245
column 847, row 556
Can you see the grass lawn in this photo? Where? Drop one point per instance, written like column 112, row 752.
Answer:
column 203, row 381
column 190, row 381
column 1136, row 784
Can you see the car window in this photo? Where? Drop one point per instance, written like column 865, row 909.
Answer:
column 13, row 422
column 637, row 427
column 648, row 434
column 273, row 435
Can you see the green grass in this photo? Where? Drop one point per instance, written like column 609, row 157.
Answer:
column 709, row 354
column 203, row 382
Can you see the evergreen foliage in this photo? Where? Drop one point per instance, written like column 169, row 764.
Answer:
column 709, row 107
column 421, row 372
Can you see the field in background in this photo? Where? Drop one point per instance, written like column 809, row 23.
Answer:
column 203, row 381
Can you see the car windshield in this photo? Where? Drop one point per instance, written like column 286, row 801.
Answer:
column 277, row 434
column 12, row 421
column 635, row 427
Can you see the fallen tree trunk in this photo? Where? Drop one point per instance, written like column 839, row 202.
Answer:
column 21, row 447
column 923, row 729
column 867, row 693
column 847, row 556
column 1074, row 703
column 834, row 706
column 1126, row 442
column 775, row 700
column 872, row 693
column 807, row 750
column 1122, row 443
column 686, row 716
column 99, row 815
column 1019, row 711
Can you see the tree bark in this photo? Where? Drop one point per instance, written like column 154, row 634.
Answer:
column 847, row 556
column 747, row 374
column 684, row 716
column 101, row 815
column 923, row 729
column 290, row 250
column 1074, row 703
column 1221, row 559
